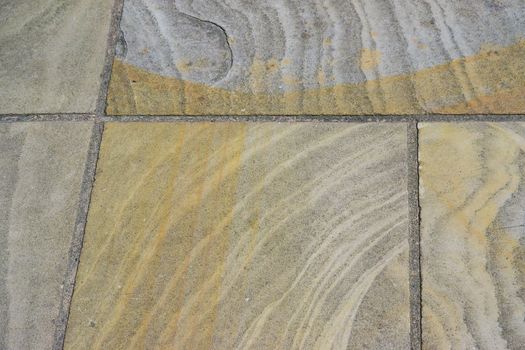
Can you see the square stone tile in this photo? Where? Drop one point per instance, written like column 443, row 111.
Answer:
column 319, row 57
column 245, row 235
column 52, row 54
column 41, row 171
column 473, row 235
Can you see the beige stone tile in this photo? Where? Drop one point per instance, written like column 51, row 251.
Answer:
column 245, row 235
column 52, row 54
column 473, row 238
column 249, row 57
column 41, row 170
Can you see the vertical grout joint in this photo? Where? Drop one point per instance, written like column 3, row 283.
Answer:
column 414, row 236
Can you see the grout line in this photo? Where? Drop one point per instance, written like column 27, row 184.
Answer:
column 414, row 237
column 78, row 235
column 470, row 118
column 116, row 15
column 71, row 117
column 78, row 117
column 89, row 174
column 318, row 118
column 255, row 118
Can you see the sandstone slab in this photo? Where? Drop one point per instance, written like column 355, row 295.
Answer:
column 245, row 236
column 319, row 57
column 52, row 54
column 473, row 237
column 41, row 171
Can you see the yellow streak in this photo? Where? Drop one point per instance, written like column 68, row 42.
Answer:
column 370, row 59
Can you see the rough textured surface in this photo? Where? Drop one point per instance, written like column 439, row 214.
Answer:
column 473, row 238
column 329, row 57
column 41, row 170
column 245, row 235
column 52, row 54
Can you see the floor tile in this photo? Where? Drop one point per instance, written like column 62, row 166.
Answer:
column 41, row 170
column 319, row 57
column 52, row 54
column 473, row 237
column 245, row 235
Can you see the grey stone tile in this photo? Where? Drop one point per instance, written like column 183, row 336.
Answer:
column 473, row 237
column 41, row 170
column 319, row 57
column 245, row 236
column 52, row 54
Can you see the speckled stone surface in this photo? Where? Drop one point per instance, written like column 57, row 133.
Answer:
column 245, row 236
column 52, row 54
column 473, row 238
column 319, row 57
column 41, row 169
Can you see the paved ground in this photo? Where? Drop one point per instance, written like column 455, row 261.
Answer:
column 262, row 174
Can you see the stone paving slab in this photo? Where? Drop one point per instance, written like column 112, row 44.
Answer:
column 300, row 229
column 473, row 238
column 319, row 57
column 41, row 170
column 52, row 55
column 245, row 235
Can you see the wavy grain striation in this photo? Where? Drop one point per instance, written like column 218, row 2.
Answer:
column 245, row 236
column 473, row 238
column 319, row 57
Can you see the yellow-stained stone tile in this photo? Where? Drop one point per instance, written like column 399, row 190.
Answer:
column 248, row 57
column 473, row 239
column 245, row 236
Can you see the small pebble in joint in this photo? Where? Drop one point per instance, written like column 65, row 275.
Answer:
column 92, row 324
